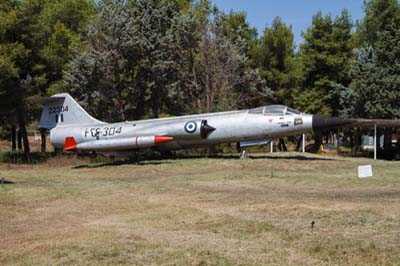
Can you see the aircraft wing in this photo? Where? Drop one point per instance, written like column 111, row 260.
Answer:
column 249, row 143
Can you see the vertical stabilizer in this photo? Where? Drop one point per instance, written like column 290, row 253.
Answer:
column 62, row 110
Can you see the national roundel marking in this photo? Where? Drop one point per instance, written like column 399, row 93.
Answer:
column 190, row 127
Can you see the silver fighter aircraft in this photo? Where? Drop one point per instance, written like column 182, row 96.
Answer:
column 73, row 129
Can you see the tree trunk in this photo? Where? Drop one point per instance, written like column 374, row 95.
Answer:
column 13, row 138
column 387, row 144
column 43, row 138
column 25, row 141
column 318, row 140
column 298, row 142
column 155, row 109
column 19, row 139
column 357, row 142
column 281, row 145
column 338, row 141
column 24, row 134
column 327, row 137
column 351, row 142
column 378, row 142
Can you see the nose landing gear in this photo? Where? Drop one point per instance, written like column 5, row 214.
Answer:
column 242, row 151
column 243, row 154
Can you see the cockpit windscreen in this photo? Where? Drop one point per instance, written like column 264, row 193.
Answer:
column 271, row 110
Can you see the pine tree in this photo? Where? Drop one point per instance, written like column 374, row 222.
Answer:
column 26, row 32
column 326, row 58
column 378, row 14
column 130, row 60
column 275, row 59
column 376, row 82
column 215, row 71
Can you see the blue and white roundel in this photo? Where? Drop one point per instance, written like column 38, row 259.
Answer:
column 190, row 127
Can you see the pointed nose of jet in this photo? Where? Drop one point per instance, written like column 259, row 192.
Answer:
column 325, row 122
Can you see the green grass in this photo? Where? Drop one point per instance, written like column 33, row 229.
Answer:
column 220, row 211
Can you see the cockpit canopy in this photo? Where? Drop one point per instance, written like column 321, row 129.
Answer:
column 274, row 110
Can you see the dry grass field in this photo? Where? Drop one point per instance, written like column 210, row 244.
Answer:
column 220, row 211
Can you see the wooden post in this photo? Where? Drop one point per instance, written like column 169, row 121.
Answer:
column 304, row 143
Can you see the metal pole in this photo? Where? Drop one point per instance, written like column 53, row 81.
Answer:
column 375, row 150
column 272, row 145
column 304, row 143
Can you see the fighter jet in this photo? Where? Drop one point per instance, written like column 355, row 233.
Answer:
column 74, row 130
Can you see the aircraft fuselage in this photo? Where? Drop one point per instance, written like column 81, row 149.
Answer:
column 232, row 126
column 73, row 129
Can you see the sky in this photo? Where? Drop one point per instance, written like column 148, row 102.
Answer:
column 297, row 13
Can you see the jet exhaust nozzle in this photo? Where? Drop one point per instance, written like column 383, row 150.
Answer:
column 325, row 122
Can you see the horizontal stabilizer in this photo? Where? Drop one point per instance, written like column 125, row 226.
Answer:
column 46, row 100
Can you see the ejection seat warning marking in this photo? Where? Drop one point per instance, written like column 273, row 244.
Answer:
column 364, row 171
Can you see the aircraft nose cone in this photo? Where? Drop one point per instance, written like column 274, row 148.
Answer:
column 325, row 122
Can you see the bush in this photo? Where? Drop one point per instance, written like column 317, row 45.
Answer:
column 15, row 157
column 18, row 157
column 4, row 133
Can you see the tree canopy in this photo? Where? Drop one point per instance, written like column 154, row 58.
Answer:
column 326, row 56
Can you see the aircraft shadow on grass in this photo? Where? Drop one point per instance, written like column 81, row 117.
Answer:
column 157, row 160
column 6, row 182
column 252, row 157
column 297, row 157
column 119, row 163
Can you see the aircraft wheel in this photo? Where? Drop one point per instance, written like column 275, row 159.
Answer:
column 243, row 154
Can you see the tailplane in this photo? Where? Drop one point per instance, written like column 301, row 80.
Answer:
column 62, row 110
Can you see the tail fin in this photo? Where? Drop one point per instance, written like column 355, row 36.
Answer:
column 62, row 110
